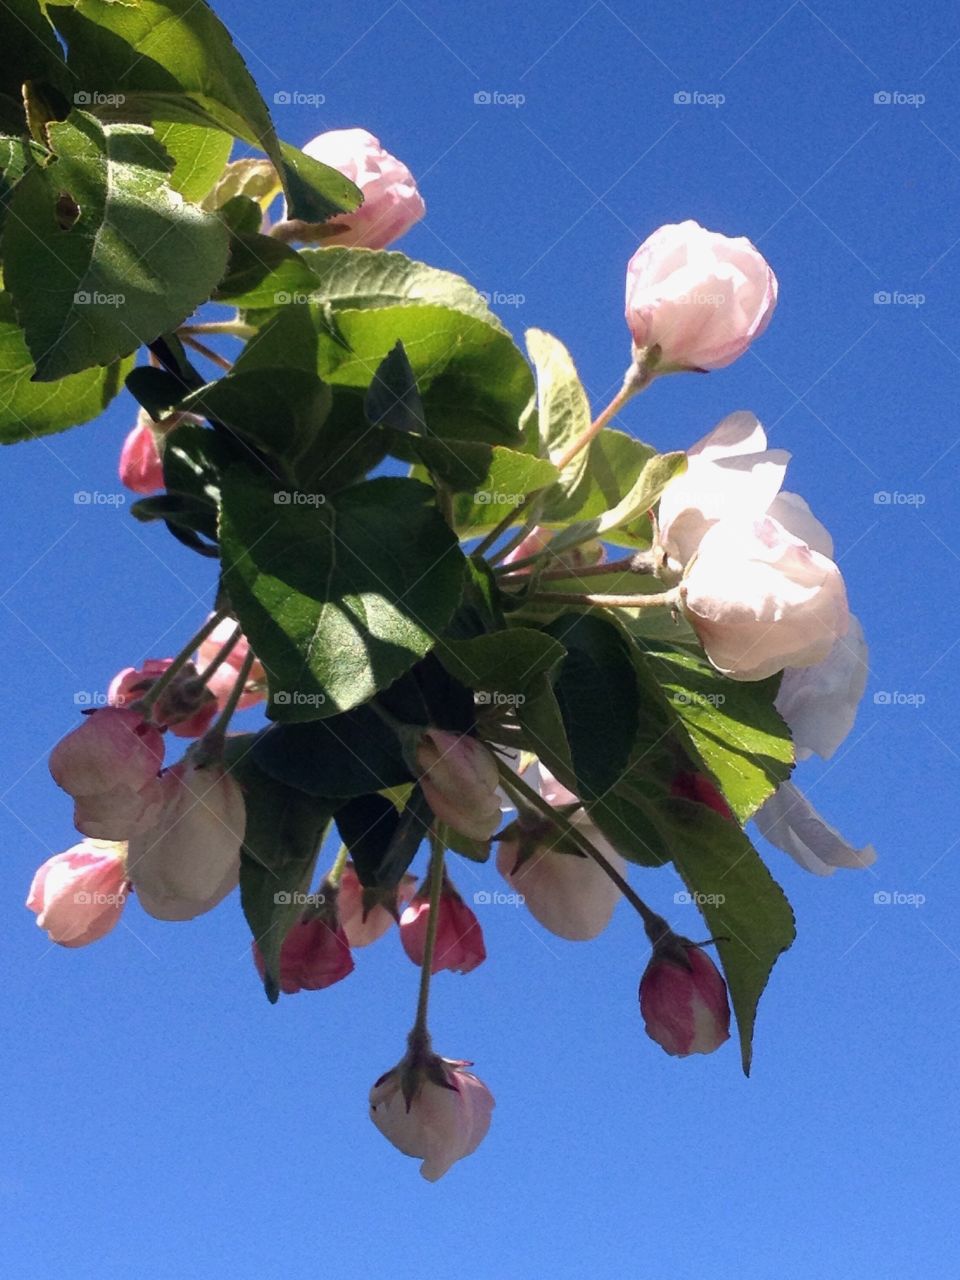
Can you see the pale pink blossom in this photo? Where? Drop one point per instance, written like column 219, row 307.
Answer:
column 111, row 747
column 459, row 944
column 789, row 821
column 190, row 859
column 391, row 201
column 367, row 914
column 459, row 779
column 820, row 703
column 683, row 999
column 438, row 1114
column 78, row 895
column 700, row 296
column 314, row 954
column 760, row 599
column 120, row 813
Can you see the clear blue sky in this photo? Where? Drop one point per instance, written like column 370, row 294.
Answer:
column 160, row 1118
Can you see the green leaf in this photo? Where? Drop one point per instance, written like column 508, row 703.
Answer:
column 743, row 906
column 657, row 472
column 371, row 279
column 338, row 597
column 16, row 157
column 265, row 273
column 343, row 756
column 29, row 409
column 194, row 459
column 285, row 829
column 564, row 410
column 199, row 157
column 504, row 662
column 488, row 478
column 278, row 410
column 474, row 382
column 174, row 60
column 732, row 723
column 134, row 263
column 254, row 178
column 393, row 399
column 616, row 461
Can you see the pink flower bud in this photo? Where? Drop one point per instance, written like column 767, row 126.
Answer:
column 391, row 201
column 141, row 468
column 459, row 945
column 78, row 895
column 683, row 999
column 538, row 539
column 190, row 859
column 760, row 599
column 698, row 787
column 111, row 747
column 315, row 954
column 367, row 914
column 700, row 296
column 435, row 1112
column 460, row 779
column 224, row 678
column 184, row 707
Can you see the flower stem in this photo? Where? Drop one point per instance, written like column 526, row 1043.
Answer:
column 234, row 328
column 628, row 564
column 218, row 730
column 436, row 888
column 636, row 379
column 513, row 783
column 660, row 599
column 220, row 361
column 146, row 704
column 227, row 648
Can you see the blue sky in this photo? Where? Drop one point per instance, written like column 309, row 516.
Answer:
column 161, row 1118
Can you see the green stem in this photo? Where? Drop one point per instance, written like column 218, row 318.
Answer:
column 636, row 379
column 228, row 646
column 146, row 704
column 234, row 328
column 513, row 784
column 340, row 861
column 436, row 888
column 657, row 600
column 218, row 730
column 503, row 525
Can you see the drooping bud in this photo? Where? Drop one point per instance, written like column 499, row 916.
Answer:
column 315, row 953
column 459, row 779
column 683, row 998
column 185, row 707
column 112, row 747
column 78, row 895
column 459, row 943
column 432, row 1109
column 367, row 914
